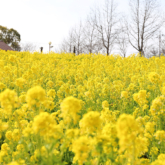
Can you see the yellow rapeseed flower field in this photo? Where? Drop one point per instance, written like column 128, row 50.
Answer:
column 58, row 109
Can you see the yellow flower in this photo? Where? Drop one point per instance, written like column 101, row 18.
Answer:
column 91, row 122
column 9, row 135
column 20, row 82
column 124, row 94
column 81, row 147
column 9, row 100
column 13, row 163
column 20, row 147
column 48, row 104
column 88, row 94
column 154, row 151
column 160, row 135
column 35, row 95
column 16, row 135
column 160, row 160
column 140, row 97
column 70, row 104
column 51, row 93
column 150, row 127
column 70, row 107
column 27, row 131
column 127, row 132
column 45, row 125
column 5, row 147
column 105, row 104
column 42, row 122
column 2, row 86
column 156, row 106
column 154, row 77
column 12, row 58
column 50, row 84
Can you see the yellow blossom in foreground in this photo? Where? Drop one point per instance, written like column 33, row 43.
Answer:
column 160, row 135
column 160, row 160
column 70, row 108
column 127, row 132
column 43, row 123
column 35, row 95
column 91, row 122
column 81, row 147
column 13, row 163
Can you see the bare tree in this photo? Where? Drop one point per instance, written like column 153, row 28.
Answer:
column 28, row 47
column 145, row 21
column 105, row 20
column 89, row 37
column 64, row 46
column 79, row 41
column 68, row 43
column 152, row 50
column 161, row 43
column 122, row 41
column 157, row 47
column 163, row 46
column 92, row 44
column 75, row 39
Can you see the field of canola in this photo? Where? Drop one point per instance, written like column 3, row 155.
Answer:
column 61, row 109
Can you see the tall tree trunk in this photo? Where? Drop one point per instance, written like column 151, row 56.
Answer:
column 107, row 52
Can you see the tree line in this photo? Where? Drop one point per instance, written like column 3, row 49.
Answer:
column 106, row 29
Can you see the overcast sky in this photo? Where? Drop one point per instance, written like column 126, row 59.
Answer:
column 42, row 21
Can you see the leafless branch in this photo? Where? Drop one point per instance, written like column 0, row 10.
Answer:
column 145, row 21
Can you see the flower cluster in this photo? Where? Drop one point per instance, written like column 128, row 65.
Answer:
column 87, row 109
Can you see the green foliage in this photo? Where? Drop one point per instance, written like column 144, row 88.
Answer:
column 10, row 37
